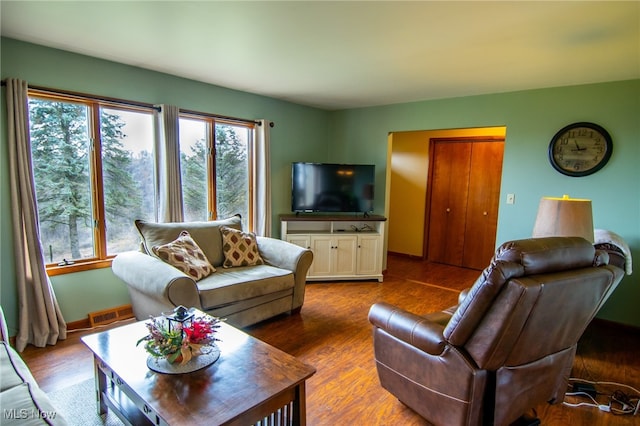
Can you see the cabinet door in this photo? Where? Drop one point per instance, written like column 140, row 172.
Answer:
column 344, row 255
column 449, row 189
column 482, row 204
column 368, row 255
column 321, row 246
column 299, row 240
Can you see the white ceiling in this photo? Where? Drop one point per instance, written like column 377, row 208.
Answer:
column 336, row 55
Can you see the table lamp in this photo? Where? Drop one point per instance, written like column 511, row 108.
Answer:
column 564, row 217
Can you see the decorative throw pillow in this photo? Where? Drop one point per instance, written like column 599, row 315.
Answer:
column 186, row 255
column 206, row 234
column 239, row 248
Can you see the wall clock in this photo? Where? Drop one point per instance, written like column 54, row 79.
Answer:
column 580, row 149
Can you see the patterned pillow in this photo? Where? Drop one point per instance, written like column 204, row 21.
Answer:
column 205, row 233
column 186, row 255
column 239, row 248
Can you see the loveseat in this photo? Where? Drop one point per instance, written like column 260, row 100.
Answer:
column 21, row 399
column 251, row 278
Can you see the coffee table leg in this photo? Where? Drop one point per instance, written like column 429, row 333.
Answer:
column 101, row 386
column 300, row 406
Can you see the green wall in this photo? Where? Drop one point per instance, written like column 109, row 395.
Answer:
column 300, row 134
column 531, row 118
column 359, row 135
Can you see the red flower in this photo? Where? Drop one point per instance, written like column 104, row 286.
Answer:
column 200, row 331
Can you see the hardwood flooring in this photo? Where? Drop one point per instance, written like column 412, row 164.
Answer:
column 332, row 333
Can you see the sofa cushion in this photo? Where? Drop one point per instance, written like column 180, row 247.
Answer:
column 239, row 248
column 13, row 370
column 22, row 401
column 27, row 405
column 205, row 234
column 184, row 254
column 228, row 286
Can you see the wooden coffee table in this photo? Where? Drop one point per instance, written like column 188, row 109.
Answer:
column 251, row 382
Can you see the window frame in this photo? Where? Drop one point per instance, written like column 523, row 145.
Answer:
column 101, row 259
column 211, row 121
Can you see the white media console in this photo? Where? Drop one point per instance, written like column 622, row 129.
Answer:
column 344, row 247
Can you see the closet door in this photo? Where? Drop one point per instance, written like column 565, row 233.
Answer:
column 482, row 204
column 464, row 196
column 448, row 208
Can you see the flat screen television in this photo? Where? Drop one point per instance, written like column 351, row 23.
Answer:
column 324, row 187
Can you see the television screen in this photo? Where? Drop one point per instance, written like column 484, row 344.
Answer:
column 323, row 187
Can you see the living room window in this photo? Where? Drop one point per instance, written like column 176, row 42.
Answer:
column 94, row 175
column 215, row 172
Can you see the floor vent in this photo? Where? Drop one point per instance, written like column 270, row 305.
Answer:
column 108, row 316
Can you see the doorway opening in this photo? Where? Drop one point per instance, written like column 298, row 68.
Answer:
column 410, row 192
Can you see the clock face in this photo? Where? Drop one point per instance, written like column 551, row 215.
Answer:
column 580, row 149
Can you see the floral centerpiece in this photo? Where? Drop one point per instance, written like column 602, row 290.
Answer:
column 179, row 341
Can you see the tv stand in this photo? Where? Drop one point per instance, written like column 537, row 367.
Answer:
column 345, row 247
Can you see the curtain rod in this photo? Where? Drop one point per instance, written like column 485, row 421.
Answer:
column 225, row 117
column 91, row 96
column 138, row 104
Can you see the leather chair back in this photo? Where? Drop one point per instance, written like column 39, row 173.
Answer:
column 525, row 314
column 510, row 343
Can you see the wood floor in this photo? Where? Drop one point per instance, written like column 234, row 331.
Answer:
column 332, row 333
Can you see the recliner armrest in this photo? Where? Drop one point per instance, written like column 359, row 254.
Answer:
column 418, row 331
column 463, row 294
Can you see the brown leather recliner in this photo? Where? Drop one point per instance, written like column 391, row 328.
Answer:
column 510, row 343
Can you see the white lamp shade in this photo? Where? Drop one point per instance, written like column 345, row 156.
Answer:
column 564, row 217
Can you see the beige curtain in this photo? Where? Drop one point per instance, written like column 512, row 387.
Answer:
column 40, row 320
column 168, row 180
column 262, row 173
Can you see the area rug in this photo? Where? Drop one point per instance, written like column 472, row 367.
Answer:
column 77, row 403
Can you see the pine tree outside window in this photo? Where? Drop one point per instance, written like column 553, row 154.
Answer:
column 94, row 172
column 215, row 172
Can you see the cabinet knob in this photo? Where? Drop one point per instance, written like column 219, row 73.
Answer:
column 448, row 209
column 485, row 213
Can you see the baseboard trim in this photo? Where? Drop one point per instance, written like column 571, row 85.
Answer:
column 405, row 255
column 617, row 325
column 77, row 325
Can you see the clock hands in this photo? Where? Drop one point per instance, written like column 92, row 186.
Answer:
column 578, row 146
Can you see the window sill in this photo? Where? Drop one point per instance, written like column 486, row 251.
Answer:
column 53, row 270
